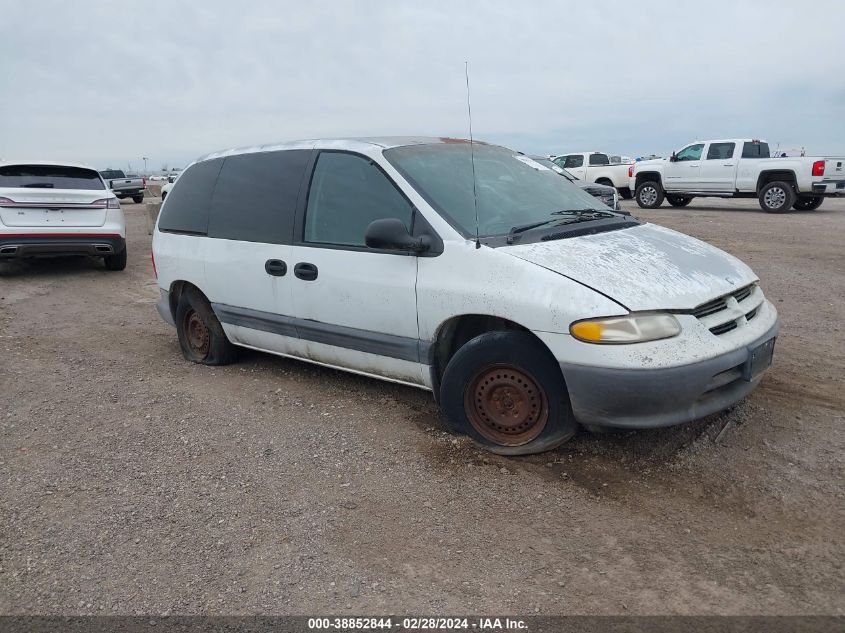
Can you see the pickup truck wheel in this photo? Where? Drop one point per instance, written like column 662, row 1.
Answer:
column 808, row 203
column 201, row 336
column 626, row 193
column 506, row 391
column 777, row 197
column 649, row 195
column 678, row 201
column 138, row 199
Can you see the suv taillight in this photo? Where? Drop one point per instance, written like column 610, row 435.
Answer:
column 818, row 168
column 108, row 203
column 6, row 201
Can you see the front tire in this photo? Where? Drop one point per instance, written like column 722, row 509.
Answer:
column 649, row 194
column 201, row 336
column 808, row 203
column 776, row 197
column 678, row 201
column 506, row 392
column 116, row 261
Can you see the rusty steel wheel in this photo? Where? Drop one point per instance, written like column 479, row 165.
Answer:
column 197, row 335
column 506, row 405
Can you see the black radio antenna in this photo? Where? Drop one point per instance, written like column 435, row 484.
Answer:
column 472, row 157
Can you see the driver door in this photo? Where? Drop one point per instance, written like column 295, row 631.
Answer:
column 682, row 174
column 355, row 307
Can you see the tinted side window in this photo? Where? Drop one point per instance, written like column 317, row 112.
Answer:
column 186, row 208
column 599, row 159
column 255, row 197
column 720, row 151
column 755, row 150
column 347, row 193
column 573, row 160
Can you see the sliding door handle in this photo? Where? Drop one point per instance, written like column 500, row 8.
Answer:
column 275, row 267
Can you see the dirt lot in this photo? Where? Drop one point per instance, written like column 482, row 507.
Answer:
column 134, row 482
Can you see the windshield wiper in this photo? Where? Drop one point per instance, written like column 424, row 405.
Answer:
column 589, row 214
column 39, row 185
column 527, row 227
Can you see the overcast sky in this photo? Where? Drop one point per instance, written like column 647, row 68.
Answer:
column 107, row 83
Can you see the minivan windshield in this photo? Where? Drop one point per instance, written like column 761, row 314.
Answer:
column 512, row 190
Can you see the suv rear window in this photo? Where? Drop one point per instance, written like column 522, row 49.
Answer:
column 755, row 150
column 186, row 208
column 49, row 177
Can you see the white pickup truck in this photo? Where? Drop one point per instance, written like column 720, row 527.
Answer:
column 596, row 167
column 737, row 168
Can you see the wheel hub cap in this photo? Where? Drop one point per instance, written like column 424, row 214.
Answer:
column 648, row 195
column 505, row 405
column 196, row 333
column 774, row 197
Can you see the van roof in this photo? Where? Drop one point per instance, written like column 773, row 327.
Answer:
column 360, row 143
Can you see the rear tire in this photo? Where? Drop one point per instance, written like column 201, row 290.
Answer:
column 776, row 197
column 649, row 194
column 116, row 261
column 506, row 392
column 138, row 199
column 808, row 203
column 678, row 201
column 626, row 193
column 201, row 336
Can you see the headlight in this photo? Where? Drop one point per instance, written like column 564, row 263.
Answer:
column 634, row 328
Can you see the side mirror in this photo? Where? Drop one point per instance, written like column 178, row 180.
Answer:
column 673, row 158
column 392, row 235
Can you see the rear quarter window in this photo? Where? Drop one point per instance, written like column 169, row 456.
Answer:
column 255, row 196
column 187, row 206
column 50, row 177
column 599, row 159
column 755, row 150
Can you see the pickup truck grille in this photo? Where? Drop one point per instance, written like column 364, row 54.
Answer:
column 730, row 311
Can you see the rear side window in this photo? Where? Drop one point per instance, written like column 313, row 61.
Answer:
column 49, row 177
column 599, row 159
column 720, row 151
column 255, row 197
column 573, row 160
column 347, row 193
column 755, row 150
column 187, row 205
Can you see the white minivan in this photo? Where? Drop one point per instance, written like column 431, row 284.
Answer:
column 471, row 270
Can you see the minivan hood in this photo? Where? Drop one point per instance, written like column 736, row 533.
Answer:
column 645, row 267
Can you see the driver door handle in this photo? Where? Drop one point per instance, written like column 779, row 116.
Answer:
column 305, row 271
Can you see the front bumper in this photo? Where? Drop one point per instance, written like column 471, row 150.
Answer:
column 646, row 398
column 58, row 245
column 829, row 187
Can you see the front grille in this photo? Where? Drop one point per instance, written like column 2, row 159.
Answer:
column 725, row 327
column 732, row 320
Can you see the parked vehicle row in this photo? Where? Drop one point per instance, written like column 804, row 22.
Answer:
column 525, row 305
column 737, row 168
column 49, row 209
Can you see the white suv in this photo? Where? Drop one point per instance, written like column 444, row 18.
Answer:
column 473, row 271
column 52, row 209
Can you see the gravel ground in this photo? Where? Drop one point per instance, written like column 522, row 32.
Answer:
column 134, row 482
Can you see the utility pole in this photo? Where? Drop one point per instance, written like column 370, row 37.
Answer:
column 145, row 165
